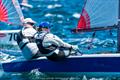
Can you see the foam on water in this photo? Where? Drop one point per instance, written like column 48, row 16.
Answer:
column 54, row 6
column 76, row 15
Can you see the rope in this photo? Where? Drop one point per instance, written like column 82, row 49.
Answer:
column 111, row 34
column 90, row 44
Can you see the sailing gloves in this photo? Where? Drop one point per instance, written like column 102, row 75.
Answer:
column 75, row 47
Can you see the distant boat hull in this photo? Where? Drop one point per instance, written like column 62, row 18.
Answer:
column 85, row 63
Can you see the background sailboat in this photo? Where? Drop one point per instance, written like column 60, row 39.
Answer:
column 98, row 15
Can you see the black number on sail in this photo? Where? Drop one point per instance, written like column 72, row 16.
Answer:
column 15, row 36
column 10, row 39
column 12, row 36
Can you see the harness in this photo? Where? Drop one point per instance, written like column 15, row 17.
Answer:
column 42, row 49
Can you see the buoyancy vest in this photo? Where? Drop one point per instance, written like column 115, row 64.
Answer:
column 39, row 41
column 22, row 43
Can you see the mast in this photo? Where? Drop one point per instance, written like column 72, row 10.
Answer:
column 118, row 31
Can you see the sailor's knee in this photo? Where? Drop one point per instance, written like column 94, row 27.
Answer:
column 57, row 57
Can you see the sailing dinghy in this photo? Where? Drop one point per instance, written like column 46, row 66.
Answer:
column 94, row 11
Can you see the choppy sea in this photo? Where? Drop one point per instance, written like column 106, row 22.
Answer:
column 62, row 14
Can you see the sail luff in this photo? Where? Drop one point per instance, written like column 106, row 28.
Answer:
column 118, row 31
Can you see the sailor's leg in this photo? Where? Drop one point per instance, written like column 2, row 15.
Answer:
column 58, row 55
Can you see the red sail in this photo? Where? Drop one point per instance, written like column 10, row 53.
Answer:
column 10, row 13
column 84, row 22
column 3, row 12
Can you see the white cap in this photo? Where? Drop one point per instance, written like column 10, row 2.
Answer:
column 28, row 20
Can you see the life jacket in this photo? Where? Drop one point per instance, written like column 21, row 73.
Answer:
column 20, row 38
column 39, row 41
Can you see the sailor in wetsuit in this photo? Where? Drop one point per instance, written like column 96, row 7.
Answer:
column 50, row 45
column 25, row 39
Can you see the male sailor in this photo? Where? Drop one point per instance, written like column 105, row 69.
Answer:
column 25, row 39
column 50, row 45
column 35, row 44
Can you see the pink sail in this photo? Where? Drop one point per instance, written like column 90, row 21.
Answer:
column 3, row 12
column 10, row 13
column 84, row 22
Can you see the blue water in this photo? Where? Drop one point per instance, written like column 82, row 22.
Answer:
column 60, row 14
